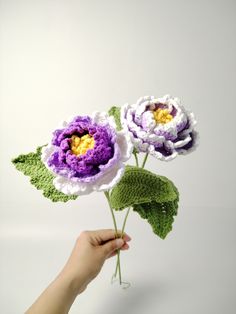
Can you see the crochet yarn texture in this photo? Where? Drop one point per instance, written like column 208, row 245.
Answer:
column 31, row 165
column 154, row 197
column 87, row 153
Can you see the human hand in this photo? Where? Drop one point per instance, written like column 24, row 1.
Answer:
column 91, row 250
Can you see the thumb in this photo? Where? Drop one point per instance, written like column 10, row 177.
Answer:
column 111, row 246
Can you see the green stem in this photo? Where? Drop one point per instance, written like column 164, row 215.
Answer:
column 122, row 233
column 136, row 159
column 118, row 263
column 116, row 233
column 112, row 213
column 124, row 223
column 144, row 160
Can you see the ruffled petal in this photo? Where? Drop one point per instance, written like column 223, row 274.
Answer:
column 69, row 187
column 110, row 179
column 125, row 144
column 102, row 118
column 149, row 133
column 100, row 165
column 191, row 145
column 46, row 152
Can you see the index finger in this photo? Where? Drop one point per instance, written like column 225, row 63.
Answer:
column 104, row 235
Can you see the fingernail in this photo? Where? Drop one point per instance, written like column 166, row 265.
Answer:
column 119, row 242
column 125, row 247
column 127, row 238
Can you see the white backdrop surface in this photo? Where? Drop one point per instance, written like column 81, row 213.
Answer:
column 59, row 58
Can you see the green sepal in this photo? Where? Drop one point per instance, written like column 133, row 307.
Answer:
column 115, row 112
column 154, row 197
column 31, row 165
column 135, row 151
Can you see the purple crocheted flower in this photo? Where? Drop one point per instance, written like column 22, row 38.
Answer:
column 160, row 126
column 87, row 154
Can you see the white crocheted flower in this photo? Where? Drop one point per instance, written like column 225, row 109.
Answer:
column 161, row 127
column 87, row 154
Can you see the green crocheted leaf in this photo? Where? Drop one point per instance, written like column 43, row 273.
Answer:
column 154, row 197
column 32, row 166
column 159, row 215
column 115, row 112
column 139, row 186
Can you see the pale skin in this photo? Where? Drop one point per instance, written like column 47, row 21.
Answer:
column 91, row 250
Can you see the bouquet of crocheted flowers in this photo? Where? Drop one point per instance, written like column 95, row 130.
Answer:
column 88, row 153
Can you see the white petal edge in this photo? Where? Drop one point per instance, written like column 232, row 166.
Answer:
column 181, row 143
column 110, row 179
column 102, row 118
column 193, row 148
column 159, row 156
column 125, row 144
column 69, row 187
column 46, row 152
column 106, row 182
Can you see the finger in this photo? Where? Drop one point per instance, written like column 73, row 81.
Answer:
column 111, row 246
column 104, row 235
column 112, row 254
column 126, row 237
column 123, row 248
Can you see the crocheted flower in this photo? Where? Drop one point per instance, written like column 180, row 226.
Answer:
column 87, row 154
column 160, row 126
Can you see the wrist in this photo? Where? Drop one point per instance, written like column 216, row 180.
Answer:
column 74, row 283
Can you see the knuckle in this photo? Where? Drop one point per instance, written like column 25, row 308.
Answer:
column 84, row 234
column 113, row 245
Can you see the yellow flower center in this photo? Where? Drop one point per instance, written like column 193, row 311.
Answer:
column 80, row 145
column 162, row 115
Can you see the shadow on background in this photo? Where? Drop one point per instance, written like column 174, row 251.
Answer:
column 140, row 298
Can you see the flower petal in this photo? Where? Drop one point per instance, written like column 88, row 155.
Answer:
column 125, row 144
column 110, row 179
column 191, row 145
column 102, row 118
column 46, row 152
column 162, row 138
column 69, row 187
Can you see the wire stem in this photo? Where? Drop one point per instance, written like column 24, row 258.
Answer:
column 112, row 213
column 122, row 233
column 116, row 233
column 136, row 159
column 124, row 223
column 144, row 160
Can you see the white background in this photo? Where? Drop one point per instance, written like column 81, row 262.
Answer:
column 59, row 58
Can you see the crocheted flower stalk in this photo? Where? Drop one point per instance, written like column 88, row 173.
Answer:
column 87, row 154
column 161, row 127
